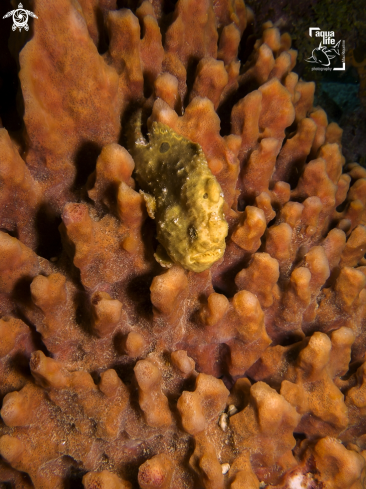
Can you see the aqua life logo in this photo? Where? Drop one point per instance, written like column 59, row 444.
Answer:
column 20, row 18
column 327, row 51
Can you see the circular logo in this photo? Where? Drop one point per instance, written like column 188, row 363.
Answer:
column 20, row 19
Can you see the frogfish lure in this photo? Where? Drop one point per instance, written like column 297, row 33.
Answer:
column 181, row 194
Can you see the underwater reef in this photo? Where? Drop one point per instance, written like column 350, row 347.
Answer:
column 182, row 259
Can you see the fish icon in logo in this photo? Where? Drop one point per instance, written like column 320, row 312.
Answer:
column 322, row 55
column 20, row 17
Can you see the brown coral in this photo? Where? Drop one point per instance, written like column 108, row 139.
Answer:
column 119, row 372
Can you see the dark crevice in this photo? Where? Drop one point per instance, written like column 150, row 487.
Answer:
column 10, row 232
column 241, row 205
column 83, row 315
column 299, row 436
column 148, row 87
column 36, row 336
column 224, row 282
column 191, row 76
column 125, row 370
column 353, row 367
column 246, row 44
column 130, row 4
column 11, row 484
column 75, row 473
column 21, row 290
column 138, row 291
column 342, row 206
column 19, row 364
column 224, row 109
column 46, row 223
column 103, row 41
column 127, row 123
column 85, row 163
column 168, row 6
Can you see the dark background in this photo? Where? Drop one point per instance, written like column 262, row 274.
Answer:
column 341, row 94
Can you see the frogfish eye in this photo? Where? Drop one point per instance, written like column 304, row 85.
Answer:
column 164, row 147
